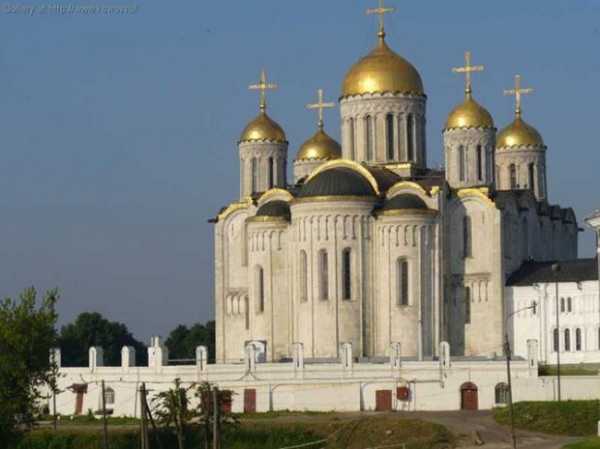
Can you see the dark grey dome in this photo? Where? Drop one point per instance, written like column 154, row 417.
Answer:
column 339, row 181
column 405, row 201
column 275, row 209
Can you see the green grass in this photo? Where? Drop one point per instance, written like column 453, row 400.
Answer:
column 594, row 443
column 285, row 429
column 569, row 370
column 576, row 418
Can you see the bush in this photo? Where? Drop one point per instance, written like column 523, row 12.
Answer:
column 577, row 418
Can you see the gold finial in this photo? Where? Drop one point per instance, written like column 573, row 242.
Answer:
column 320, row 106
column 381, row 11
column 468, row 69
column 263, row 85
column 517, row 92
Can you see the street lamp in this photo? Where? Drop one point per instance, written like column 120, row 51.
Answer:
column 507, row 351
column 556, row 270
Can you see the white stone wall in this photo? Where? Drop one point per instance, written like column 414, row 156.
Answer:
column 355, row 110
column 584, row 315
column 521, row 157
column 321, row 387
column 262, row 152
column 469, row 140
column 481, row 273
column 331, row 226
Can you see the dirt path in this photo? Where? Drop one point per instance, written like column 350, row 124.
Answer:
column 494, row 436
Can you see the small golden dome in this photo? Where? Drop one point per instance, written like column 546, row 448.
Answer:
column 469, row 114
column 382, row 71
column 519, row 134
column 319, row 147
column 263, row 128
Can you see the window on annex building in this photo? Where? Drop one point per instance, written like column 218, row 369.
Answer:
column 569, row 305
column 467, row 305
column 109, row 396
column 502, row 393
column 567, row 339
column 556, row 345
column 578, row 340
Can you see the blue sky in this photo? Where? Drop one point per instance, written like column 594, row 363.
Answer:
column 118, row 132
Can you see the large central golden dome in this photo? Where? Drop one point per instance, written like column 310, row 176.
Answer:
column 382, row 71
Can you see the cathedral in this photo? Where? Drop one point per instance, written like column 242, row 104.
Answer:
column 367, row 244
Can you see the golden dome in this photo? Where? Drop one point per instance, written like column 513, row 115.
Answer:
column 469, row 114
column 519, row 134
column 382, row 71
column 261, row 129
column 319, row 147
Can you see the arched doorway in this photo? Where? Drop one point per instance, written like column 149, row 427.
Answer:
column 469, row 398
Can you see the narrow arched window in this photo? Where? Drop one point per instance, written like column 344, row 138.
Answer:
column 479, row 163
column 461, row 163
column 467, row 238
column 556, row 340
column 410, row 137
column 578, row 340
column 260, row 289
column 567, row 339
column 402, row 282
column 347, row 274
column 390, row 136
column 467, row 305
column 502, row 393
column 351, row 133
column 370, row 137
column 569, row 305
column 531, row 177
column 562, row 305
column 254, row 174
column 271, row 173
column 513, row 176
column 323, row 275
column 303, row 276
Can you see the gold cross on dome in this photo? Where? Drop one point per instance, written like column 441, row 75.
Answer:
column 263, row 86
column 517, row 92
column 320, row 106
column 381, row 11
column 468, row 69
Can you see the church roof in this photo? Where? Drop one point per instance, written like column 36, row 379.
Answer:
column 280, row 209
column 338, row 181
column 405, row 201
column 530, row 273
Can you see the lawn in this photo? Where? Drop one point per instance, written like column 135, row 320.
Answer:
column 339, row 431
column 570, row 370
column 575, row 418
column 594, row 443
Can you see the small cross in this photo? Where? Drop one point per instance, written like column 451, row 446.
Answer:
column 321, row 106
column 263, row 85
column 517, row 92
column 468, row 69
column 381, row 11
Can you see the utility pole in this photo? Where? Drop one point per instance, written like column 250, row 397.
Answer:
column 144, row 424
column 216, row 413
column 104, row 421
column 508, row 351
column 556, row 270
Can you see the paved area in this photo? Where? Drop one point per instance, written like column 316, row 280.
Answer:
column 494, row 436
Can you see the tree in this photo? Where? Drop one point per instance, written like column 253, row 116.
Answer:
column 27, row 334
column 183, row 341
column 92, row 329
column 172, row 408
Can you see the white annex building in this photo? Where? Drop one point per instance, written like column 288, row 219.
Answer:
column 371, row 281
